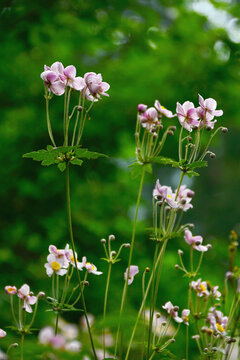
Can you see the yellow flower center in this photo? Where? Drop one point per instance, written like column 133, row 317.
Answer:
column 92, row 266
column 11, row 289
column 169, row 196
column 55, row 266
column 163, row 107
column 72, row 259
column 202, row 287
column 220, row 328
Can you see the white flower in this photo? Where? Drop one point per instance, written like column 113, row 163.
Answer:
column 200, row 287
column 45, row 335
column 2, row 333
column 172, row 311
column 134, row 270
column 70, row 257
column 55, row 265
column 91, row 268
column 27, row 296
column 73, row 346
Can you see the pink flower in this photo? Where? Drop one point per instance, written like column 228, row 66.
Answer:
column 200, row 287
column 70, row 257
column 185, row 316
column 149, row 119
column 10, row 290
column 187, row 115
column 58, row 342
column 142, row 108
column 163, row 110
column 72, row 81
column 218, row 322
column 209, row 107
column 216, row 294
column 54, row 265
column 165, row 193
column 204, row 122
column 134, row 270
column 95, row 86
column 59, row 254
column 91, row 268
column 45, row 335
column 2, row 333
column 195, row 241
column 172, row 311
column 184, row 198
column 25, row 294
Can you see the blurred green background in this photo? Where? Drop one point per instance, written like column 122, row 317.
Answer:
column 169, row 50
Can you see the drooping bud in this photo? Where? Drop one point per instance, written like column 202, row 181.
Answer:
column 80, row 108
column 173, row 128
column 142, row 108
column 190, row 193
column 127, row 246
column 86, row 283
column 212, row 155
column 111, row 237
column 224, row 130
column 147, row 269
column 103, row 241
column 170, row 132
column 113, row 253
column 158, row 315
column 41, row 294
column 176, row 266
column 180, row 252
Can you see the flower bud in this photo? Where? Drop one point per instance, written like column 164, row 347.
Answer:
column 142, row 108
column 158, row 315
column 103, row 241
column 147, row 269
column 15, row 345
column 209, row 246
column 113, row 253
column 127, row 246
column 111, row 237
column 80, row 108
column 86, row 283
column 208, row 128
column 214, row 349
column 173, row 128
column 191, row 226
column 172, row 340
column 160, row 126
column 224, row 130
column 167, row 208
column 190, row 193
column 176, row 308
column 176, row 266
column 138, row 150
column 195, row 127
column 170, row 132
column 136, row 134
column 41, row 294
column 164, row 323
column 155, row 135
column 189, row 138
column 196, row 337
column 180, row 252
column 212, row 155
column 229, row 275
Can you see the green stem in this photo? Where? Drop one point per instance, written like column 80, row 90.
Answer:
column 124, row 293
column 56, row 325
column 12, row 310
column 77, row 118
column 21, row 346
column 180, row 144
column 74, row 256
column 105, row 305
column 67, row 117
column 48, row 120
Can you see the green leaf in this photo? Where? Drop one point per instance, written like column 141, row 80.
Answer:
column 191, row 173
column 165, row 161
column 76, row 162
column 62, row 166
column 197, row 164
column 84, row 153
column 136, row 169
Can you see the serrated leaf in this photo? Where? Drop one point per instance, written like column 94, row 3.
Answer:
column 191, row 173
column 165, row 161
column 197, row 164
column 62, row 166
column 84, row 153
column 76, row 162
column 136, row 169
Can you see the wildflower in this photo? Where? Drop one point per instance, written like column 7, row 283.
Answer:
column 185, row 316
column 54, row 78
column 165, row 193
column 133, row 270
column 76, row 83
column 187, row 115
column 58, row 342
column 83, row 322
column 216, row 294
column 45, row 335
column 149, row 119
column 10, row 290
column 142, row 108
column 172, row 311
column 70, row 258
column 55, row 266
column 163, row 110
column 95, row 86
column 70, row 331
column 2, row 333
column 209, row 124
column 28, row 297
column 218, row 322
column 200, row 287
column 73, row 346
column 60, row 254
column 195, row 241
column 209, row 107
column 184, row 198
column 159, row 323
column 91, row 268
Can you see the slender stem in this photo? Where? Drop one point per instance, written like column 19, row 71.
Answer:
column 34, row 315
column 56, row 325
column 124, row 293
column 77, row 118
column 22, row 341
column 180, row 144
column 105, row 305
column 144, row 314
column 74, row 256
column 12, row 310
column 48, row 119
column 144, row 300
column 67, row 117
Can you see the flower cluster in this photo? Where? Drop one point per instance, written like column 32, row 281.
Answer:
column 25, row 294
column 173, row 312
column 59, row 261
column 56, row 78
column 201, row 288
column 181, row 201
column 218, row 322
column 195, row 241
column 192, row 118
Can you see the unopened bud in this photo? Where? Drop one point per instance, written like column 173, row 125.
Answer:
column 190, row 193
column 198, row 243
column 195, row 127
column 164, row 323
column 205, row 349
column 176, row 308
column 196, row 337
column 212, row 155
column 172, row 340
column 142, row 108
column 231, row 340
column 147, row 269
column 214, row 349
column 86, row 283
column 173, row 128
column 155, row 135
column 180, row 252
column 183, row 201
column 160, row 126
column 208, row 128
column 189, row 138
column 127, row 245
column 138, row 150
column 170, row 132
column 158, row 315
column 15, row 345
column 229, row 275
column 191, row 226
column 167, row 208
column 41, row 294
column 113, row 253
column 80, row 108
column 209, row 246
column 224, row 130
column 176, row 266
column 111, row 237
column 103, row 241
